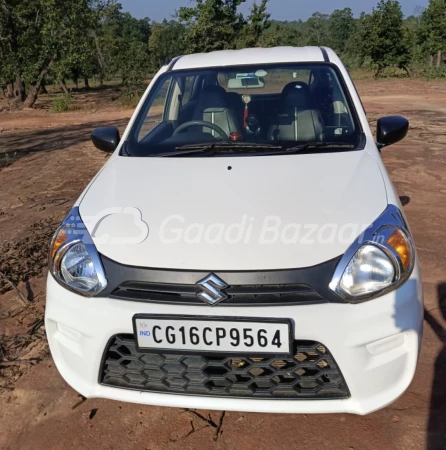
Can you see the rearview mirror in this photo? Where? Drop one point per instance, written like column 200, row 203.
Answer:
column 106, row 139
column 391, row 129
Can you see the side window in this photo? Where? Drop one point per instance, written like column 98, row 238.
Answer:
column 155, row 111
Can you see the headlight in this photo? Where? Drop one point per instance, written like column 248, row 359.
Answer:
column 379, row 261
column 370, row 270
column 73, row 259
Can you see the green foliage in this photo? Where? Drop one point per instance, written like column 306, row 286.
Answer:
column 39, row 35
column 131, row 62
column 121, row 46
column 131, row 96
column 212, row 25
column 62, row 103
column 317, row 29
column 258, row 22
column 432, row 30
column 8, row 159
column 218, row 25
column 383, row 37
column 77, row 39
column 289, row 33
column 70, row 39
column 168, row 39
column 342, row 26
column 336, row 30
column 435, row 73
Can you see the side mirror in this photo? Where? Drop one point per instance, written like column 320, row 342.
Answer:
column 391, row 129
column 106, row 139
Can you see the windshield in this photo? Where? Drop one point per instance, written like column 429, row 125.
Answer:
column 245, row 108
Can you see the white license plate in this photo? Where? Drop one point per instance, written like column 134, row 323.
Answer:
column 254, row 336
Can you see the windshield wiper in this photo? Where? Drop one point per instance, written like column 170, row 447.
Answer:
column 210, row 148
column 231, row 144
column 312, row 145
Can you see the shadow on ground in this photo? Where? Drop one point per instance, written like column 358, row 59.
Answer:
column 17, row 144
column 436, row 436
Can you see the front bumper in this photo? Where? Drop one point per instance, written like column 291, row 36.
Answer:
column 375, row 345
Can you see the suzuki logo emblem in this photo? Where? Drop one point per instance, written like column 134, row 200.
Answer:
column 212, row 290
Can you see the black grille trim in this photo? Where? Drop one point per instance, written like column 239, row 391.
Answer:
column 265, row 295
column 311, row 373
column 254, row 288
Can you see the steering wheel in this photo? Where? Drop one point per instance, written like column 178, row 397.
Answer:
column 202, row 123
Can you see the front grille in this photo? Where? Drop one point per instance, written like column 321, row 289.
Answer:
column 311, row 373
column 263, row 295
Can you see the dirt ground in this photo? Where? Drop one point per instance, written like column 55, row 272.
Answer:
column 45, row 162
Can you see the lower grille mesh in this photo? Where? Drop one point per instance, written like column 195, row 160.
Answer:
column 310, row 374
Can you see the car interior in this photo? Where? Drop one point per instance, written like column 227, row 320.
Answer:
column 251, row 106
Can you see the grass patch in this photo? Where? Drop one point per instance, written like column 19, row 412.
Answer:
column 7, row 159
column 435, row 73
column 130, row 97
column 62, row 103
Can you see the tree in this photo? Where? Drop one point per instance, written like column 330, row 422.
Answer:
column 75, row 39
column 212, row 25
column 34, row 35
column 383, row 37
column 104, row 35
column 317, row 28
column 413, row 25
column 130, row 58
column 77, row 58
column 13, row 32
column 121, row 45
column 342, row 27
column 257, row 24
column 432, row 31
column 68, row 38
column 288, row 33
column 168, row 39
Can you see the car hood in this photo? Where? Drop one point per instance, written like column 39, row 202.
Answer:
column 232, row 213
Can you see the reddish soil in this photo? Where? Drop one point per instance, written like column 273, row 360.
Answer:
column 50, row 161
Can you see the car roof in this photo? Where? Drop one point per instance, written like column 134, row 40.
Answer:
column 251, row 56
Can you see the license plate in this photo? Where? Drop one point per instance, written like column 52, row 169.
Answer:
column 226, row 335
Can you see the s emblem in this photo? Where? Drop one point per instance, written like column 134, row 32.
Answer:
column 212, row 290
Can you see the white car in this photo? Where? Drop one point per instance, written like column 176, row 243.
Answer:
column 243, row 248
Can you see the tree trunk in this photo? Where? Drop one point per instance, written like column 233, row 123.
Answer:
column 431, row 61
column 19, row 89
column 439, row 55
column 63, row 85
column 43, row 88
column 101, row 60
column 87, row 84
column 10, row 90
column 408, row 71
column 34, row 90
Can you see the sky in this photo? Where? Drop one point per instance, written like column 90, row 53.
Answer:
column 157, row 10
